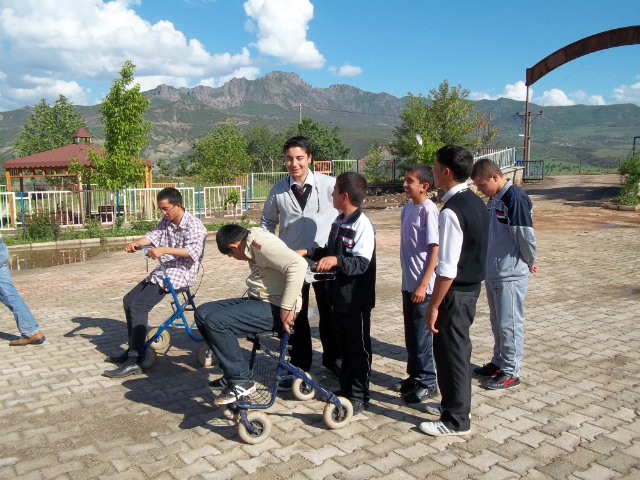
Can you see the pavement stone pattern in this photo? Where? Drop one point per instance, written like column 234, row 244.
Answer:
column 574, row 416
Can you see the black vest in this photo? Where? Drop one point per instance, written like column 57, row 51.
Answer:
column 474, row 220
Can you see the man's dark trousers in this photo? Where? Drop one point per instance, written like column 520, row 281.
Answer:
column 223, row 321
column 137, row 305
column 418, row 340
column 452, row 352
column 353, row 330
column 301, row 348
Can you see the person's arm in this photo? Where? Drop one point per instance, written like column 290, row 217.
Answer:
column 270, row 217
column 421, row 290
column 520, row 219
column 447, row 267
column 131, row 247
column 363, row 245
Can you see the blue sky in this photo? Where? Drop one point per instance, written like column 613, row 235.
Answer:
column 376, row 45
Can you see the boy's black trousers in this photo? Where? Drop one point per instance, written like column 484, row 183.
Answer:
column 452, row 352
column 353, row 331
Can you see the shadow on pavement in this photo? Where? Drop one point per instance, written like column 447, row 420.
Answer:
column 588, row 196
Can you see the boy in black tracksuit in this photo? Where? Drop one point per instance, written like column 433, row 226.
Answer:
column 350, row 252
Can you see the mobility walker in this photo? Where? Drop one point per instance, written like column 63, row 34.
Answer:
column 254, row 425
column 158, row 338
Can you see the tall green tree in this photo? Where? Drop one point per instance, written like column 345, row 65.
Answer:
column 444, row 118
column 48, row 127
column 325, row 144
column 222, row 154
column 265, row 148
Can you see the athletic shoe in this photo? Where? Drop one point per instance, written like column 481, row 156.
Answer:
column 420, row 393
column 488, row 370
column 359, row 406
column 217, row 384
column 405, row 386
column 502, row 381
column 233, row 392
column 434, row 408
column 285, row 385
column 436, row 428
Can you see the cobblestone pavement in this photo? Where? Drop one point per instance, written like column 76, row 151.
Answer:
column 574, row 416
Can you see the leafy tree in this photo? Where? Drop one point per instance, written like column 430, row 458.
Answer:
column 445, row 118
column 125, row 130
column 164, row 168
column 630, row 179
column 374, row 166
column 222, row 154
column 185, row 167
column 49, row 127
column 325, row 144
column 265, row 148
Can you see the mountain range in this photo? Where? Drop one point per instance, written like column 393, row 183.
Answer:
column 596, row 135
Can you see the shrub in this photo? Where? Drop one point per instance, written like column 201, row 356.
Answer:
column 93, row 227
column 630, row 178
column 41, row 228
column 119, row 222
column 233, row 197
column 143, row 226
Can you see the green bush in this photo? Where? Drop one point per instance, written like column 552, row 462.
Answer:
column 233, row 197
column 119, row 222
column 41, row 228
column 630, row 178
column 93, row 228
column 143, row 226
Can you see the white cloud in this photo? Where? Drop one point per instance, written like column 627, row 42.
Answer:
column 580, row 96
column 346, row 70
column 47, row 88
column 249, row 25
column 627, row 93
column 282, row 31
column 554, row 97
column 250, row 73
column 516, row 91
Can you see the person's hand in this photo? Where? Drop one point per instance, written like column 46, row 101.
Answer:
column 327, row 263
column 155, row 253
column 430, row 319
column 533, row 268
column 130, row 247
column 287, row 317
column 302, row 253
column 419, row 294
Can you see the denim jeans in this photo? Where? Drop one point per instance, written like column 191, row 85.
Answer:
column 27, row 325
column 418, row 340
column 506, row 311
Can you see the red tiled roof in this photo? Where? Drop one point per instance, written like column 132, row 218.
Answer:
column 81, row 133
column 58, row 157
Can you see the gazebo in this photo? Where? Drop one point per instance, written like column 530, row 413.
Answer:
column 55, row 163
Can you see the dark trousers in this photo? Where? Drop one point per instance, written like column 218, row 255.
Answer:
column 452, row 351
column 418, row 340
column 353, row 330
column 301, row 350
column 223, row 321
column 137, row 305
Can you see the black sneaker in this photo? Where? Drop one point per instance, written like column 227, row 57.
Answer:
column 420, row 393
column 502, row 381
column 405, row 386
column 232, row 392
column 217, row 384
column 359, row 406
column 488, row 370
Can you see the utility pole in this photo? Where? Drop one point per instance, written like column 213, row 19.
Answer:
column 300, row 110
column 528, row 119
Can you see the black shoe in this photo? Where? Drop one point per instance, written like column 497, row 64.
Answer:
column 232, row 393
column 488, row 370
column 502, row 381
column 118, row 358
column 359, row 406
column 217, row 384
column 333, row 368
column 420, row 393
column 124, row 370
column 406, row 385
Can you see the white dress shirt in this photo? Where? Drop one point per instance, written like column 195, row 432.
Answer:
column 450, row 237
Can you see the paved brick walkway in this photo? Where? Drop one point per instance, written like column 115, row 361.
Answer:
column 573, row 417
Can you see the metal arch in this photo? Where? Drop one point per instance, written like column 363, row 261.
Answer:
column 617, row 37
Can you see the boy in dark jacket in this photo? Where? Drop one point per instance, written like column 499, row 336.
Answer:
column 350, row 252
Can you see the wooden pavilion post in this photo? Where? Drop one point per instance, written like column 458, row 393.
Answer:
column 10, row 200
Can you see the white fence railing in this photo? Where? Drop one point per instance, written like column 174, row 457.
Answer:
column 215, row 201
column 503, row 158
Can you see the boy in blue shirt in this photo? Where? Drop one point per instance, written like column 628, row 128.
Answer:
column 418, row 257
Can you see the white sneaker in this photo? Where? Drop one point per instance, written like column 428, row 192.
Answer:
column 231, row 393
column 436, row 428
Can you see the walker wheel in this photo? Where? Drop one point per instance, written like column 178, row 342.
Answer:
column 332, row 417
column 260, row 421
column 161, row 342
column 149, row 359
column 302, row 390
column 205, row 356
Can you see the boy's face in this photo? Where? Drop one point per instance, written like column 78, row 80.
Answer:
column 438, row 174
column 487, row 186
column 297, row 162
column 339, row 199
column 413, row 189
column 237, row 251
column 170, row 212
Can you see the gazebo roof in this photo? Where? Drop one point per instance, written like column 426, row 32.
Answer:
column 81, row 133
column 58, row 157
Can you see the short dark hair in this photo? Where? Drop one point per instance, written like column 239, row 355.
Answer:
column 172, row 194
column 423, row 172
column 354, row 184
column 229, row 234
column 457, row 159
column 303, row 142
column 485, row 168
